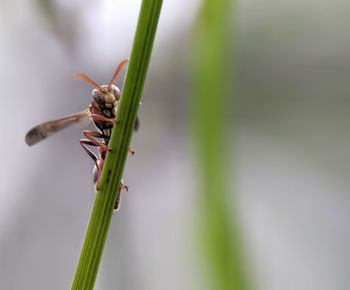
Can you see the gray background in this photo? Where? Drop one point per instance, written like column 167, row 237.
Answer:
column 291, row 156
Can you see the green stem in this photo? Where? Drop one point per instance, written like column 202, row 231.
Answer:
column 102, row 211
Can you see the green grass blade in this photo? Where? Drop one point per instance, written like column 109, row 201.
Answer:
column 102, row 211
column 212, row 106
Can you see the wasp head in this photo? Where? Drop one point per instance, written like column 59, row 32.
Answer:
column 106, row 95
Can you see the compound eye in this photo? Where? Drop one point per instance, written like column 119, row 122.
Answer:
column 116, row 92
column 97, row 96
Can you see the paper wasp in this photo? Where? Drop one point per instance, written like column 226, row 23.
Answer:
column 102, row 111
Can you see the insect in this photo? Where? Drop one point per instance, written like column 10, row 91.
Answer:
column 99, row 162
column 102, row 111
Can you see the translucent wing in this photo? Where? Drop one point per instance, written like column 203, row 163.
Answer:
column 44, row 130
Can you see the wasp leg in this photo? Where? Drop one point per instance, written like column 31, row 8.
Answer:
column 120, row 188
column 91, row 135
column 96, row 174
column 97, row 117
column 84, row 143
column 123, row 186
column 131, row 151
column 117, row 201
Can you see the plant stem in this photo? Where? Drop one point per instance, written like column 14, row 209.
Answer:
column 102, row 210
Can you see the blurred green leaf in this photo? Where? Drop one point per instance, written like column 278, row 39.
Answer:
column 212, row 106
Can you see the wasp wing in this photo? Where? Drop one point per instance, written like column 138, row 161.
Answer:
column 44, row 130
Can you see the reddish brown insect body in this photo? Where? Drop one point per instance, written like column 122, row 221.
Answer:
column 99, row 162
column 102, row 111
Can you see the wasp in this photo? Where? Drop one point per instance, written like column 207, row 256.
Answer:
column 102, row 112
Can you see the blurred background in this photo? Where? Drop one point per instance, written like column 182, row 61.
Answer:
column 288, row 146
